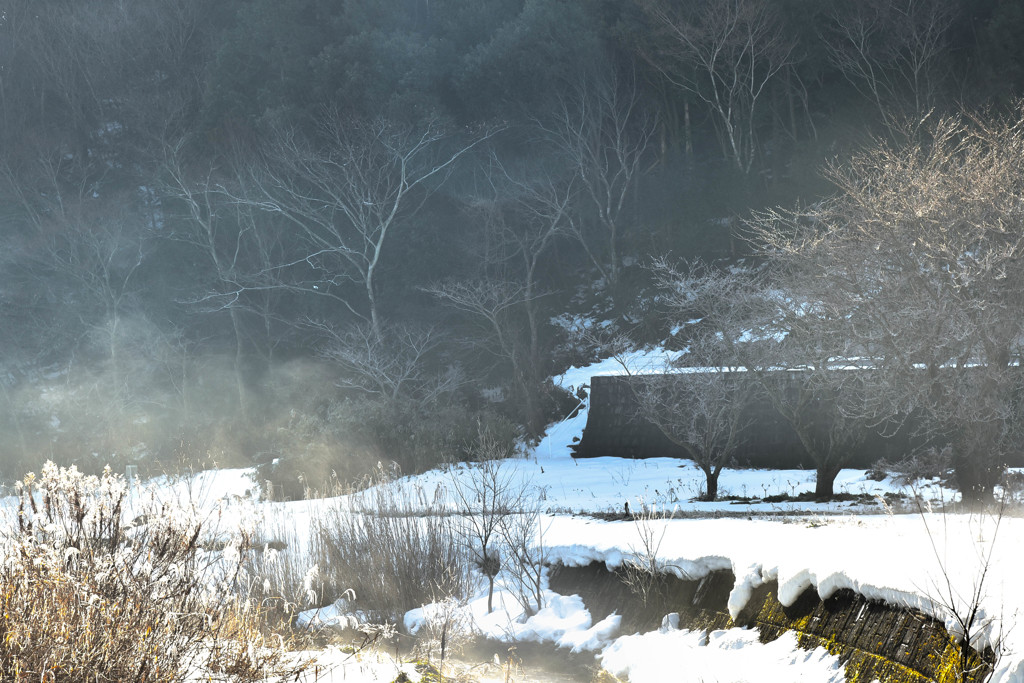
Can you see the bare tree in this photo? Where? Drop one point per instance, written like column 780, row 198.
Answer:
column 787, row 344
column 346, row 191
column 524, row 218
column 920, row 255
column 63, row 53
column 891, row 51
column 964, row 605
column 15, row 103
column 820, row 386
column 604, row 131
column 495, row 306
column 588, row 339
column 491, row 301
column 393, row 364
column 523, row 538
column 84, row 76
column 206, row 224
column 726, row 53
column 643, row 571
column 103, row 259
column 488, row 494
column 521, row 218
column 733, row 305
column 704, row 410
column 86, row 254
column 243, row 247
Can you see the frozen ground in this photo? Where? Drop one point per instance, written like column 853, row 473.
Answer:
column 930, row 562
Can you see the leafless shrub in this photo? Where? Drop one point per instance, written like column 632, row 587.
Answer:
column 928, row 464
column 488, row 494
column 964, row 603
column 394, row 545
column 643, row 572
column 523, row 538
column 446, row 629
column 84, row 594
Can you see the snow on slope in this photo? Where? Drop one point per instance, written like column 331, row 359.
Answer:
column 932, row 562
column 904, row 559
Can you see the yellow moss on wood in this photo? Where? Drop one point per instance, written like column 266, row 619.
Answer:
column 873, row 640
column 870, row 641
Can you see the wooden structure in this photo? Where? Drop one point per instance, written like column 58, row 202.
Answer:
column 873, row 640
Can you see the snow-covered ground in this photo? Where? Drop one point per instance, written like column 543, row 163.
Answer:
column 925, row 561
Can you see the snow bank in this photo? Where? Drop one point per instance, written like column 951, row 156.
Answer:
column 891, row 559
column 931, row 563
column 730, row 656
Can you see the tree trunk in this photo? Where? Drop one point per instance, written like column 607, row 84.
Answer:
column 372, row 301
column 711, row 492
column 824, row 482
column 688, row 132
column 243, row 397
column 533, row 416
column 118, row 393
column 613, row 257
column 976, row 474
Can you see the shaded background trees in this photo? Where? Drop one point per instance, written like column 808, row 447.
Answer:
column 726, row 53
column 769, row 335
column 231, row 259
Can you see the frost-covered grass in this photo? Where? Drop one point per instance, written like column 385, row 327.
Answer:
column 101, row 583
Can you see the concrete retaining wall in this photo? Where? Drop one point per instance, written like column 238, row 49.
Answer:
column 614, row 428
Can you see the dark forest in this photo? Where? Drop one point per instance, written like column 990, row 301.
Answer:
column 327, row 233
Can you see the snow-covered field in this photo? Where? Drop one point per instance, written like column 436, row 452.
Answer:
column 925, row 561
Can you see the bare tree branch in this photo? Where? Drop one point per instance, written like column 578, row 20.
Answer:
column 920, row 256
column 726, row 53
column 891, row 51
column 346, row 191
column 604, row 131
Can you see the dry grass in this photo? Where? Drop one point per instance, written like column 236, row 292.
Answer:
column 84, row 595
column 281, row 573
column 394, row 547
